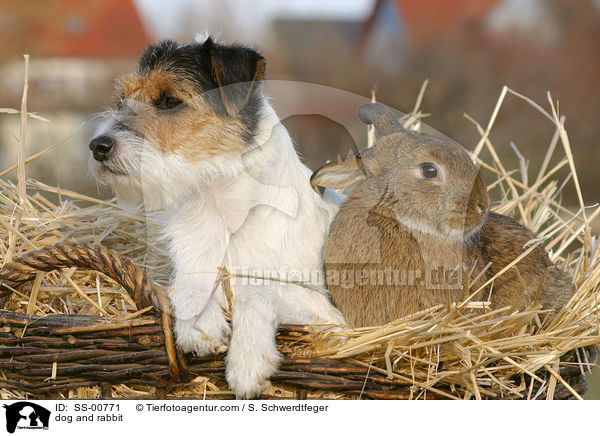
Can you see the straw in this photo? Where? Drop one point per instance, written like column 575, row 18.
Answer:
column 447, row 351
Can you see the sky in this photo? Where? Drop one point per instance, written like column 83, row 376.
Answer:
column 163, row 17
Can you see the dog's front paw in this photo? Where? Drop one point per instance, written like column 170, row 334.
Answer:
column 203, row 335
column 248, row 371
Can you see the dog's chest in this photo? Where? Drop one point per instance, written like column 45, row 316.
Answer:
column 248, row 227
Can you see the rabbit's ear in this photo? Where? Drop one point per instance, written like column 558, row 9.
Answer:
column 381, row 117
column 339, row 174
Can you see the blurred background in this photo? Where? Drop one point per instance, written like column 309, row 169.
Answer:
column 468, row 49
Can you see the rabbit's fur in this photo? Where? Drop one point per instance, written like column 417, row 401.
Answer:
column 404, row 241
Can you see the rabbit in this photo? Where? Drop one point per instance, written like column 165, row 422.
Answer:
column 417, row 222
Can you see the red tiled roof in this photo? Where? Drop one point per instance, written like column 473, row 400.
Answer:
column 427, row 20
column 71, row 28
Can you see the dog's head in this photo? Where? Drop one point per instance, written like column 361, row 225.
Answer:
column 186, row 116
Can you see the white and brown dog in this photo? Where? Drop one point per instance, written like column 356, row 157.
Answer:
column 193, row 135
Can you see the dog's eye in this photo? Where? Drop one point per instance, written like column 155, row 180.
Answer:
column 172, row 102
column 429, row 170
column 167, row 102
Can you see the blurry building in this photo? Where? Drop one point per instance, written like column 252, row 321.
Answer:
column 76, row 49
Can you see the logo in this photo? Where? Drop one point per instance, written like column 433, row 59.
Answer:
column 26, row 415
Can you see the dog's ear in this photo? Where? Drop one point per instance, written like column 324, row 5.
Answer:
column 237, row 71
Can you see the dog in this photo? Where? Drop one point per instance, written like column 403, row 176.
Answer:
column 191, row 133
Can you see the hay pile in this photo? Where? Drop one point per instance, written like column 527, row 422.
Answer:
column 442, row 352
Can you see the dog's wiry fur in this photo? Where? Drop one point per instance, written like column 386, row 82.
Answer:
column 193, row 135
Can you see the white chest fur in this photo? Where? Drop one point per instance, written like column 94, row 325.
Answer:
column 264, row 221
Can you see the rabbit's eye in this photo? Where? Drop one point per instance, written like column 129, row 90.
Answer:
column 429, row 171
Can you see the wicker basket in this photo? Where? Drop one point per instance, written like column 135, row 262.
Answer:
column 46, row 357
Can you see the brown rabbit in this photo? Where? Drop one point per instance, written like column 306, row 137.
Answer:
column 416, row 224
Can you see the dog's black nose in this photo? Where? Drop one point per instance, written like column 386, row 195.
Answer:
column 101, row 146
